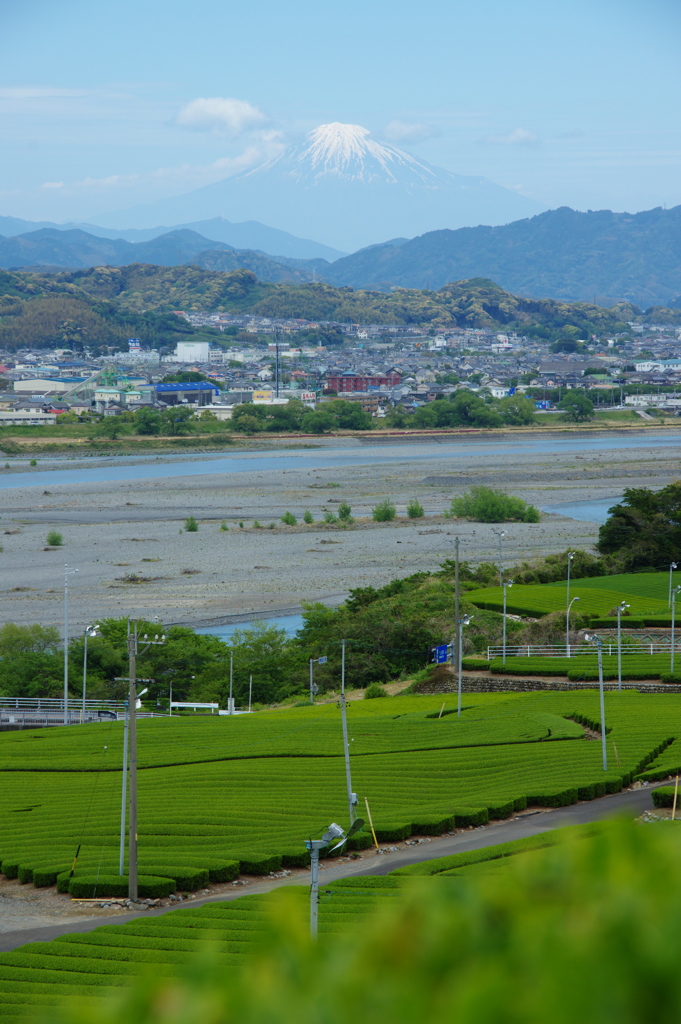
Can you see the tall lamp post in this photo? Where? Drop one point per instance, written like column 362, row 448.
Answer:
column 67, row 572
column 314, row 689
column 89, row 631
column 570, row 556
column 508, row 583
column 460, row 624
column 567, row 625
column 352, row 797
column 599, row 647
column 620, row 608
column 675, row 591
column 500, row 534
column 133, row 654
column 672, row 566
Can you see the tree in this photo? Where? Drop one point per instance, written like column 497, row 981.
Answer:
column 318, row 422
column 111, row 427
column 485, row 505
column 384, row 512
column 577, row 406
column 644, row 529
column 517, row 410
column 177, row 419
column 351, row 416
column 147, row 422
column 185, row 377
column 345, row 513
column 415, row 509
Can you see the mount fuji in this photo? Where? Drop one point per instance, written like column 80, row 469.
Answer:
column 345, row 188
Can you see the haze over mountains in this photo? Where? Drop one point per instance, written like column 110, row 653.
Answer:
column 561, row 254
column 346, row 188
column 245, row 235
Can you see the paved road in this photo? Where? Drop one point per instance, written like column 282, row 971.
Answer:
column 631, row 804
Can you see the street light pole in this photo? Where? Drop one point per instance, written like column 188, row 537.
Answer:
column 67, row 572
column 230, row 702
column 461, row 623
column 570, row 556
column 675, row 591
column 567, row 625
column 500, row 534
column 604, row 745
column 346, row 747
column 509, row 583
column 88, row 631
column 620, row 608
column 672, row 566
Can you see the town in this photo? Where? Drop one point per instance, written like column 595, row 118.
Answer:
column 381, row 367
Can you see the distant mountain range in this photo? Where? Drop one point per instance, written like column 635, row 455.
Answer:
column 600, row 257
column 344, row 186
column 249, row 234
column 53, row 249
column 596, row 256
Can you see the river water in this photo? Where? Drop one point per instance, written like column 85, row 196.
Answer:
column 323, row 458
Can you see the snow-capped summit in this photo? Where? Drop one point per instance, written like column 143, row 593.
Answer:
column 346, row 189
column 348, row 151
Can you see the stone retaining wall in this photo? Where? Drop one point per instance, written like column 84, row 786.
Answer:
column 497, row 684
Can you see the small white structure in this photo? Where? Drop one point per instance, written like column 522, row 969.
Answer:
column 27, row 418
column 192, row 352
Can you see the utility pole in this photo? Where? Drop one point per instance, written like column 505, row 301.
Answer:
column 230, row 702
column 132, row 742
column 132, row 736
column 67, row 572
column 121, row 852
column 276, row 367
column 352, row 799
column 456, row 599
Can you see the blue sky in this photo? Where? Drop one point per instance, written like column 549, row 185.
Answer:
column 571, row 103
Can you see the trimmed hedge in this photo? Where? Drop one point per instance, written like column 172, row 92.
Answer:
column 501, row 811
column 481, row 664
column 663, row 796
column 186, row 879
column 465, row 817
column 92, row 886
column 559, row 798
column 387, row 833
column 259, row 863
column 434, row 826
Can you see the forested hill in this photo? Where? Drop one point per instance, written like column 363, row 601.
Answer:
column 562, row 253
column 107, row 305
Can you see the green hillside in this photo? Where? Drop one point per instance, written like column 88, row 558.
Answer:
column 102, row 306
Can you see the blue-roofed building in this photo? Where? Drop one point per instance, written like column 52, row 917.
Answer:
column 196, row 393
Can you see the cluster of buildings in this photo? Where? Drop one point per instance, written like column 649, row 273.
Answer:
column 379, row 366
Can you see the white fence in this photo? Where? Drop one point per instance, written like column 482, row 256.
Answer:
column 574, row 650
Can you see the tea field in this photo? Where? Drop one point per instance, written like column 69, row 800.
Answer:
column 227, row 795
column 647, row 594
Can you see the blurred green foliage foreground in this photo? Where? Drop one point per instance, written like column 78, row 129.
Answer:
column 587, row 931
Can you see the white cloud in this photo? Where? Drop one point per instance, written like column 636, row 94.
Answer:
column 403, row 131
column 184, row 175
column 518, row 137
column 219, row 114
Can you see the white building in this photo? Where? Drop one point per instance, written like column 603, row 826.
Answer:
column 193, row 352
